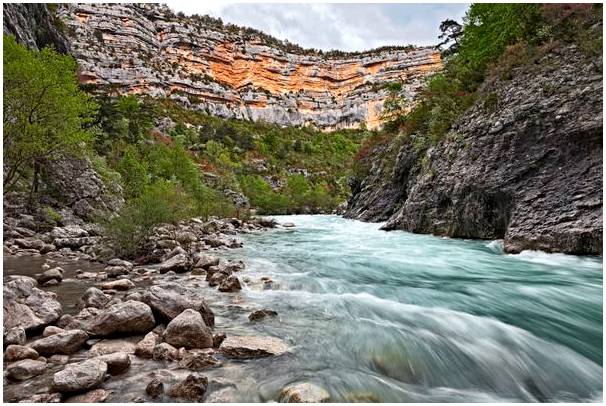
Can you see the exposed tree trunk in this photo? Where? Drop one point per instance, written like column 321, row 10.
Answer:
column 35, row 181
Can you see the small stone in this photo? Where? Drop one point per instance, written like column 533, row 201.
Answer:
column 51, row 330
column 165, row 352
column 304, row 393
column 120, row 285
column 252, row 346
column 145, row 347
column 218, row 339
column 15, row 335
column 92, row 396
column 261, row 314
column 117, row 362
column 25, row 369
column 15, row 352
column 197, row 360
column 231, row 284
column 192, row 388
column 155, row 388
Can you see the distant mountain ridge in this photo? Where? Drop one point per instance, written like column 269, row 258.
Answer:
column 230, row 72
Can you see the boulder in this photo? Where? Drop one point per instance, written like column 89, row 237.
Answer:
column 188, row 330
column 16, row 352
column 197, row 359
column 179, row 263
column 94, row 297
column 117, row 362
column 27, row 306
column 92, row 396
column 52, row 330
column 15, row 335
column 66, row 343
column 115, row 271
column 252, row 346
column 120, row 284
column 72, row 231
column 165, row 352
column 193, row 388
column 205, row 261
column 103, row 347
column 261, row 314
column 155, row 388
column 304, row 393
column 120, row 262
column 50, row 274
column 25, row 369
column 170, row 299
column 29, row 243
column 218, row 339
column 80, row 377
column 127, row 317
column 216, row 278
column 145, row 347
column 233, row 266
column 230, row 284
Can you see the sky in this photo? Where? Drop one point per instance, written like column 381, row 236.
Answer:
column 326, row 26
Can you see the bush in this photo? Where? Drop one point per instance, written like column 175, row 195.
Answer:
column 160, row 203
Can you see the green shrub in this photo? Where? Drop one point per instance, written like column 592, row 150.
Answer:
column 162, row 202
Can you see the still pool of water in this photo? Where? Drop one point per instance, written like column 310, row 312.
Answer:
column 400, row 317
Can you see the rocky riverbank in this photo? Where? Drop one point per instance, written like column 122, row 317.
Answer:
column 136, row 331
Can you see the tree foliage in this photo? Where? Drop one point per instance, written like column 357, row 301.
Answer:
column 45, row 112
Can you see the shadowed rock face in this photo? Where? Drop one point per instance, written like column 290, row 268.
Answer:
column 146, row 49
column 528, row 170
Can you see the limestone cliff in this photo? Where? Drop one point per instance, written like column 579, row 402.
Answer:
column 523, row 164
column 146, row 49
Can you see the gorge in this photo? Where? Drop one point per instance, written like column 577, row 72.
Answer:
column 197, row 211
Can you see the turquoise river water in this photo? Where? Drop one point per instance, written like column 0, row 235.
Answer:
column 400, row 317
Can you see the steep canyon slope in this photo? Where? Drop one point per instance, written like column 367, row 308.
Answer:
column 232, row 72
column 523, row 164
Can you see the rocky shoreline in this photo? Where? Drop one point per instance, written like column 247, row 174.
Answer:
column 154, row 315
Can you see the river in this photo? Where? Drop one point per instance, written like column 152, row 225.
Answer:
column 401, row 317
column 375, row 316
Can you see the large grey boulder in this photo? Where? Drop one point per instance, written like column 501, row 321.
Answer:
column 94, row 297
column 127, row 317
column 80, row 377
column 65, row 343
column 188, row 330
column 178, row 263
column 170, row 299
column 27, row 306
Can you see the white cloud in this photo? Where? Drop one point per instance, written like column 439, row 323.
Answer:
column 348, row 27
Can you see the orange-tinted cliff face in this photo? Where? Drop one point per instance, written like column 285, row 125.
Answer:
column 145, row 49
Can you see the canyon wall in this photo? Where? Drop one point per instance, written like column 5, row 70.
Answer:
column 146, row 49
column 524, row 164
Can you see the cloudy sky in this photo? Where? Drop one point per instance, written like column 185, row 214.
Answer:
column 348, row 27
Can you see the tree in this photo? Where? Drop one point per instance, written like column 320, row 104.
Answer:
column 451, row 31
column 44, row 111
